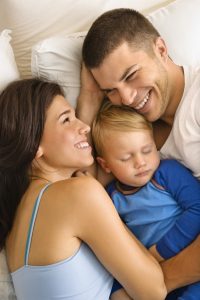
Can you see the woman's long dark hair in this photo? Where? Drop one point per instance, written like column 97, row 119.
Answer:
column 23, row 106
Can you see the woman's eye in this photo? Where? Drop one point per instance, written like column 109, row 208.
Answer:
column 66, row 120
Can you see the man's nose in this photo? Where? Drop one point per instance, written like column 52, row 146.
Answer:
column 127, row 95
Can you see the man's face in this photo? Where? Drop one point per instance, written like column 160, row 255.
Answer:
column 136, row 79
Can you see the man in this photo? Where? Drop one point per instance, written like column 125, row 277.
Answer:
column 131, row 66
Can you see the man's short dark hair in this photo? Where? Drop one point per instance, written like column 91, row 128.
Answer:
column 113, row 28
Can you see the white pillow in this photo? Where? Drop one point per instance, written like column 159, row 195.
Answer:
column 34, row 20
column 59, row 58
column 179, row 23
column 9, row 71
column 6, row 286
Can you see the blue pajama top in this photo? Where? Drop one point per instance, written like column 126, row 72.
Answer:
column 169, row 218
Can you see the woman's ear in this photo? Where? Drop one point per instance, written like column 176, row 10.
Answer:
column 101, row 161
column 39, row 152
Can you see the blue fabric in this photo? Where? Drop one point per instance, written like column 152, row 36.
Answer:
column 190, row 292
column 116, row 286
column 79, row 277
column 185, row 189
column 31, row 226
column 169, row 218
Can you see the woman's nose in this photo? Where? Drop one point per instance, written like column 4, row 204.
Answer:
column 84, row 128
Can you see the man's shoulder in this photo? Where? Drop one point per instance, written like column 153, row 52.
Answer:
column 191, row 74
column 193, row 70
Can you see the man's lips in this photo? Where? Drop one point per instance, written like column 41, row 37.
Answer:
column 143, row 102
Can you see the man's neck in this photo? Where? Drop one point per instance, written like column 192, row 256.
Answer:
column 177, row 83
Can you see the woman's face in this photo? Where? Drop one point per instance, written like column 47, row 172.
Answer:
column 64, row 144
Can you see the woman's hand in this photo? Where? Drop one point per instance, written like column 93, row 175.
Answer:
column 120, row 295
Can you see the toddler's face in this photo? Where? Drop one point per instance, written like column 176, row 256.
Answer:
column 132, row 157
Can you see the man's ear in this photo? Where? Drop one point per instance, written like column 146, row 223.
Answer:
column 161, row 48
column 101, row 161
column 39, row 152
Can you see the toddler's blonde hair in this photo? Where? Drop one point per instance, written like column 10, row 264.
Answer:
column 116, row 118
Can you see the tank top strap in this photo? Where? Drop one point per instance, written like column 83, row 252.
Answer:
column 32, row 223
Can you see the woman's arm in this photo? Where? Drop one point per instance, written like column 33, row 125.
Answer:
column 120, row 295
column 123, row 256
column 184, row 268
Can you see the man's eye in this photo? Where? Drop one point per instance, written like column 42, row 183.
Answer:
column 130, row 76
column 110, row 92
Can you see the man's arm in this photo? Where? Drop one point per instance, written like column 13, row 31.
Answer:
column 90, row 97
column 89, row 102
column 184, row 268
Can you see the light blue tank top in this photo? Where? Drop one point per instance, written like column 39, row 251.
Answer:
column 79, row 277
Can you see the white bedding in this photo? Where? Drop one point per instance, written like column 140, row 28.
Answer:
column 32, row 21
column 35, row 20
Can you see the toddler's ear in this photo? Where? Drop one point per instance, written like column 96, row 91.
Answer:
column 101, row 161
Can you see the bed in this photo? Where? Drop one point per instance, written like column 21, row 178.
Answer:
column 44, row 39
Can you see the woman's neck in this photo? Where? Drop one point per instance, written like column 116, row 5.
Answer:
column 37, row 177
column 50, row 176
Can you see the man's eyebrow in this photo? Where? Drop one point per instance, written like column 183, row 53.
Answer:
column 124, row 75
column 64, row 113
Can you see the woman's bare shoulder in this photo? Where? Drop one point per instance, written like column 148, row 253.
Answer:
column 76, row 183
column 77, row 188
column 78, row 198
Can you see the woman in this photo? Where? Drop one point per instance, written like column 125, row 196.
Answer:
column 61, row 231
